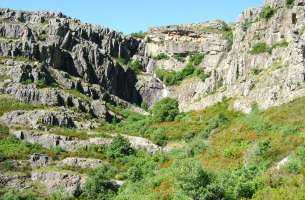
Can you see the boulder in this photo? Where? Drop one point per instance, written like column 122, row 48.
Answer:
column 71, row 184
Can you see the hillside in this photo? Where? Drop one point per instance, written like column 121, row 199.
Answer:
column 204, row 111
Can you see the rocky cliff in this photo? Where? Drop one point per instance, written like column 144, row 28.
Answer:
column 64, row 84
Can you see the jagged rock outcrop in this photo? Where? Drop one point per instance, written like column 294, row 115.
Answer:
column 35, row 118
column 70, row 183
column 269, row 78
column 73, row 144
column 39, row 160
column 13, row 181
column 65, row 44
column 66, row 143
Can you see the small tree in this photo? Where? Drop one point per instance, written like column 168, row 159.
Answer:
column 165, row 110
column 119, row 147
column 191, row 178
column 98, row 185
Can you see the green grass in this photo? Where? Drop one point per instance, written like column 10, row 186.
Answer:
column 8, row 104
column 74, row 133
column 260, row 48
column 78, row 94
column 161, row 56
column 13, row 149
column 197, row 58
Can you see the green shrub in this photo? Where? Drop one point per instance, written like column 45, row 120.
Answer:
column 267, row 12
column 134, row 174
column 246, row 25
column 12, row 195
column 165, row 110
column 172, row 77
column 256, row 121
column 191, row 177
column 119, row 147
column 121, row 61
column 227, row 33
column 4, row 131
column 139, row 34
column 98, row 185
column 259, row 48
column 144, row 106
column 281, row 44
column 61, row 195
column 200, row 73
column 196, row 146
column 219, row 121
column 263, row 147
column 256, row 71
column 159, row 137
column 197, row 58
column 161, row 56
column 135, row 66
column 289, row 3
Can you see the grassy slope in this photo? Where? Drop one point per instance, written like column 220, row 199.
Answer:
column 232, row 147
column 226, row 149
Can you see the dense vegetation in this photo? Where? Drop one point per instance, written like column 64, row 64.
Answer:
column 175, row 77
column 262, row 47
column 222, row 154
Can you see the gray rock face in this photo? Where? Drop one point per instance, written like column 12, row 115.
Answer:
column 35, row 118
column 99, row 109
column 66, row 143
column 72, row 144
column 71, row 184
column 13, row 181
column 39, row 160
column 80, row 162
column 65, row 44
column 54, row 97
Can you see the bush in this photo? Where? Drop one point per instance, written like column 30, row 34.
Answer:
column 263, row 147
column 256, row 71
column 159, row 137
column 227, row 33
column 98, row 185
column 161, row 56
column 289, row 3
column 257, row 122
column 134, row 174
column 200, row 73
column 119, row 147
column 139, row 34
column 267, row 12
column 191, row 178
column 135, row 66
column 260, row 48
column 197, row 58
column 165, row 110
column 173, row 77
column 12, row 195
column 219, row 121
